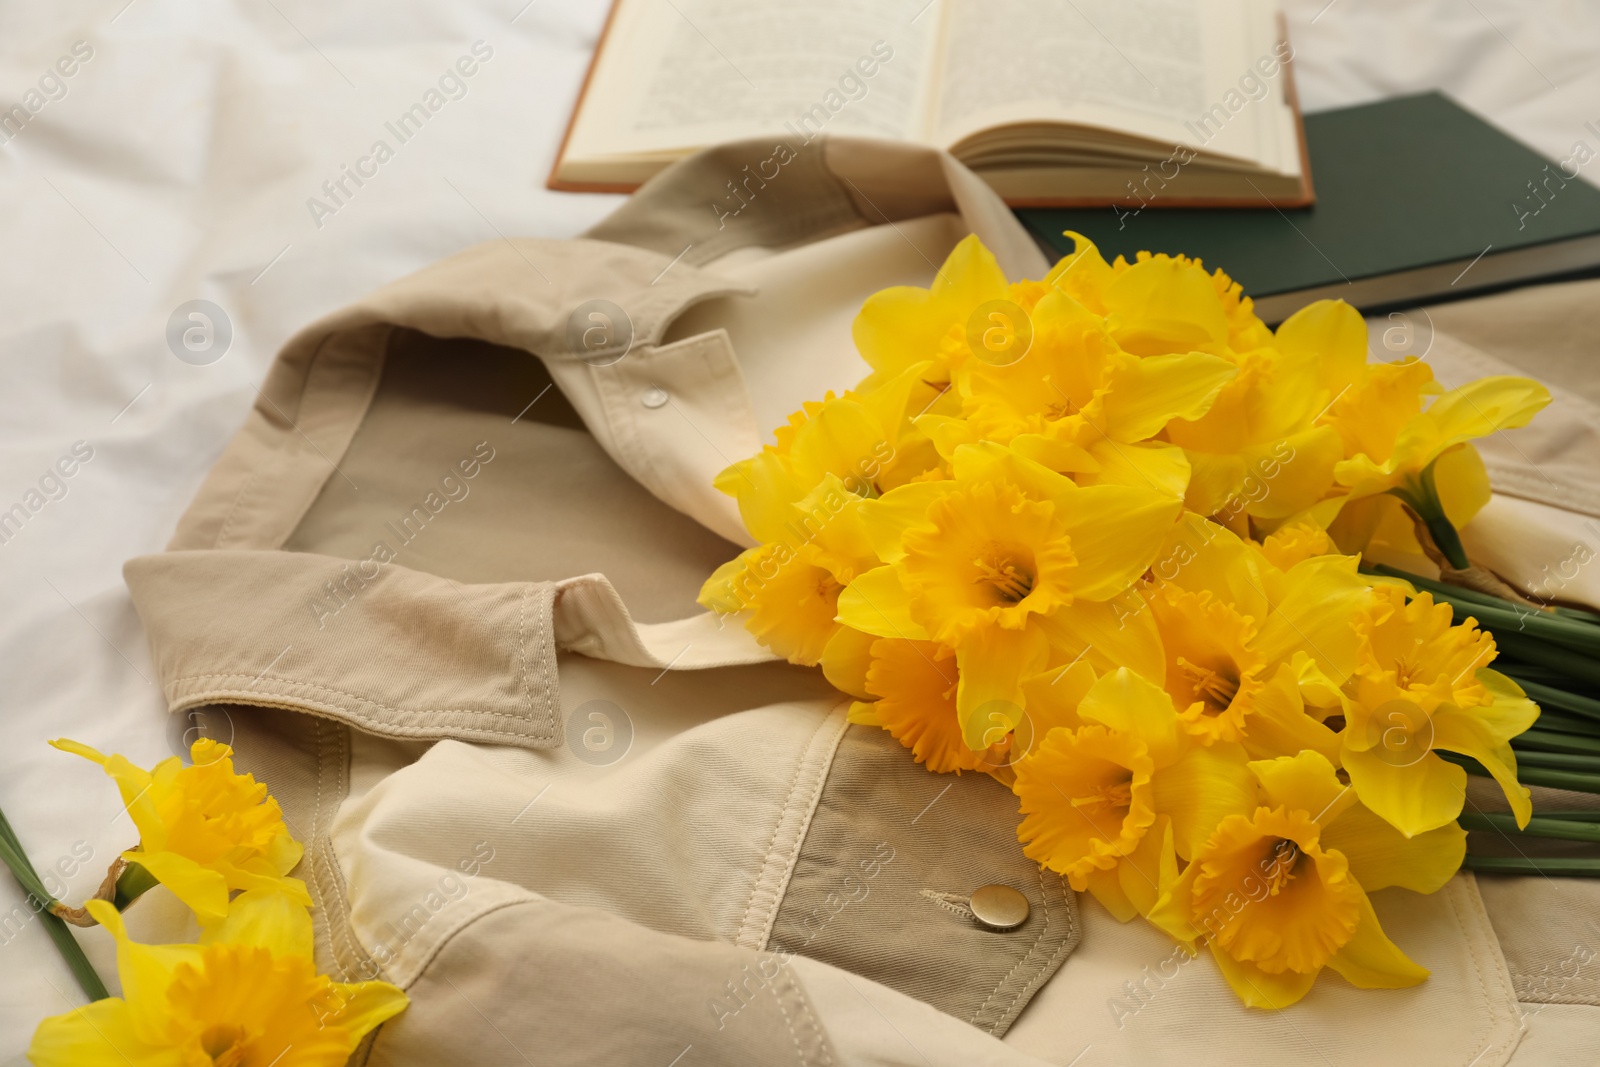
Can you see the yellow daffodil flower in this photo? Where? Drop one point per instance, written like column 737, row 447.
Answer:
column 246, row 995
column 1423, row 685
column 1258, row 450
column 999, row 563
column 914, row 684
column 1424, row 457
column 203, row 829
column 1110, row 802
column 856, row 438
column 1161, row 303
column 1076, row 402
column 1280, row 892
column 1247, row 642
column 905, row 326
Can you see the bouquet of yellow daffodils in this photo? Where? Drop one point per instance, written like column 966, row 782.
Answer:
column 248, row 992
column 1098, row 535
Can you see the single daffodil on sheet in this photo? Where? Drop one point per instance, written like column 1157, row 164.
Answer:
column 204, row 830
column 248, row 995
column 1001, row 562
column 1279, row 892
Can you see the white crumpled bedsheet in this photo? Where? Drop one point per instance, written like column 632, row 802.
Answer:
column 175, row 164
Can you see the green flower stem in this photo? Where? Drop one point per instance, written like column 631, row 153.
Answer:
column 1565, row 867
column 1422, row 496
column 1575, row 664
column 1552, row 741
column 1567, row 725
column 1538, row 826
column 1547, row 696
column 1580, row 781
column 1587, row 762
column 40, row 900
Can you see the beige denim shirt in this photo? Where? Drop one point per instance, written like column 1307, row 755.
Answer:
column 439, row 594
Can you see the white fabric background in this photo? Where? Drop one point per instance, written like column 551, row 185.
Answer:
column 177, row 167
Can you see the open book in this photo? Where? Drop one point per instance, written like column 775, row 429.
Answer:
column 1053, row 102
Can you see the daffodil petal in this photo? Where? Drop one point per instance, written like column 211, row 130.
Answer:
column 264, row 919
column 845, row 659
column 1144, row 394
column 1381, row 856
column 877, row 603
column 1107, row 888
column 1278, row 724
column 1485, row 406
column 363, row 1006
column 134, row 785
column 993, row 662
column 1261, row 989
column 1161, row 468
column 145, row 972
column 1332, row 336
column 1369, row 960
column 1152, row 867
column 1319, row 600
column 1109, row 634
column 1472, row 732
column 101, row 1034
column 887, row 518
column 1052, row 697
column 1164, row 305
column 1413, row 798
column 1462, row 483
column 1116, row 531
column 204, row 890
column 1306, row 782
column 1131, row 705
column 1205, row 786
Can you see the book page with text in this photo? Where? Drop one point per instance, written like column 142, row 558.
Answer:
column 1140, row 67
column 681, row 74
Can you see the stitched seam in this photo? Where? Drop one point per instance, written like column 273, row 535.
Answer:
column 777, row 828
column 353, row 696
column 799, row 1053
column 1068, row 941
column 951, row 902
column 340, row 918
column 825, row 763
column 235, row 507
column 1479, row 974
column 369, row 723
column 522, row 649
column 1043, row 933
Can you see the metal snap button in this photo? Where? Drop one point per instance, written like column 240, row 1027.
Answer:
column 654, row 397
column 998, row 907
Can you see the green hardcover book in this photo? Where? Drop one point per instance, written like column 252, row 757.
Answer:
column 1417, row 200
